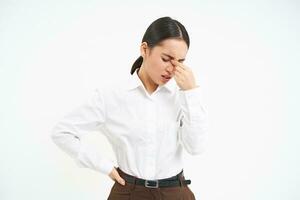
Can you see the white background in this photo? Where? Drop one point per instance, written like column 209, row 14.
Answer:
column 245, row 56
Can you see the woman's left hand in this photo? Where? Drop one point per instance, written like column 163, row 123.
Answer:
column 184, row 76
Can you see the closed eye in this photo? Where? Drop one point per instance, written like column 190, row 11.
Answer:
column 165, row 60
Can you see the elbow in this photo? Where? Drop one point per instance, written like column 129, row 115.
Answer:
column 195, row 150
column 54, row 133
column 54, row 136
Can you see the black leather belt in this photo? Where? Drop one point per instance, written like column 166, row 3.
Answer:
column 167, row 182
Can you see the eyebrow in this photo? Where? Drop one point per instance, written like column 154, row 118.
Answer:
column 173, row 57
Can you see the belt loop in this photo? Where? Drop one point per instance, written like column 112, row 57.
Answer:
column 133, row 184
column 180, row 180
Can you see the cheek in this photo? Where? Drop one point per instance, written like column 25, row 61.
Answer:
column 160, row 65
column 157, row 67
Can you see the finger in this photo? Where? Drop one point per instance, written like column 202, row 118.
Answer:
column 120, row 180
column 181, row 72
column 178, row 76
column 176, row 63
column 179, row 69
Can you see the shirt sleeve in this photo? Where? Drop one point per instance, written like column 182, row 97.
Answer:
column 84, row 119
column 193, row 129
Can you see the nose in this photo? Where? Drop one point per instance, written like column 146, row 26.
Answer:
column 170, row 68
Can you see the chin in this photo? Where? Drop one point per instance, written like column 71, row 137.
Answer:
column 162, row 83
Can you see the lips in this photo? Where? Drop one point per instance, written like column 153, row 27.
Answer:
column 166, row 77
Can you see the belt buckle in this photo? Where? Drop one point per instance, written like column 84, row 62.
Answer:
column 147, row 183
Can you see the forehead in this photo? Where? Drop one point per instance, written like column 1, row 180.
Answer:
column 173, row 47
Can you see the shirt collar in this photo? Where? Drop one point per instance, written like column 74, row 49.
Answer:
column 135, row 81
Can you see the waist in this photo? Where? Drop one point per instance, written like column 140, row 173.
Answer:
column 176, row 180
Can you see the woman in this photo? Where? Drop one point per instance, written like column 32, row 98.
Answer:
column 148, row 120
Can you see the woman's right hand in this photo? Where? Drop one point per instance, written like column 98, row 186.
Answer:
column 114, row 175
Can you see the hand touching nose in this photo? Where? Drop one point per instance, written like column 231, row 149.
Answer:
column 184, row 76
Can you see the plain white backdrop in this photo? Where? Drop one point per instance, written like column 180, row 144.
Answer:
column 245, row 56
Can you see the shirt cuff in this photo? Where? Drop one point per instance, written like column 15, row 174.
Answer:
column 88, row 157
column 191, row 96
column 192, row 102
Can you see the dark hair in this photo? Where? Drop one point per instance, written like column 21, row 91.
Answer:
column 162, row 28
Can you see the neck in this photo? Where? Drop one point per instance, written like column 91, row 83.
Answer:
column 146, row 80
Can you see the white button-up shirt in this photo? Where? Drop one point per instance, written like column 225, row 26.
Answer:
column 148, row 132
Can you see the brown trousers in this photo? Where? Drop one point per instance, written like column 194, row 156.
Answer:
column 139, row 192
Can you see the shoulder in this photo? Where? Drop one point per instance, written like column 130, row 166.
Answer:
column 113, row 88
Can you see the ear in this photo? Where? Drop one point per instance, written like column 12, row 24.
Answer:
column 144, row 49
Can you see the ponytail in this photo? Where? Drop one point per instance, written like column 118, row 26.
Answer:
column 136, row 64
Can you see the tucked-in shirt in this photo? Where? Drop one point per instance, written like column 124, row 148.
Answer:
column 148, row 131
